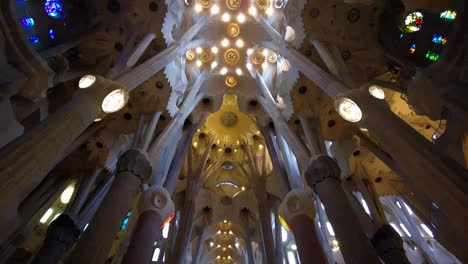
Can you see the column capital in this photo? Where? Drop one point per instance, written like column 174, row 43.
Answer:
column 64, row 230
column 320, row 168
column 297, row 202
column 158, row 199
column 136, row 162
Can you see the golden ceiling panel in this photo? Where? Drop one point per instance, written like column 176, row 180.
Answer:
column 233, row 30
column 232, row 57
column 233, row 4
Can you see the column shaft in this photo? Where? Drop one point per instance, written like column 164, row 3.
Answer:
column 323, row 175
column 308, row 246
column 142, row 242
column 94, row 245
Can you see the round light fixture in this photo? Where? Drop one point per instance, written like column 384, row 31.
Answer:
column 377, row 92
column 87, row 81
column 285, row 65
column 348, row 110
column 273, row 58
column 115, row 101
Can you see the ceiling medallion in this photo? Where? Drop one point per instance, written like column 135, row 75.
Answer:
column 257, row 58
column 263, row 4
column 231, row 56
column 206, row 56
column 229, row 119
column 205, row 3
column 233, row 4
column 273, row 58
column 233, row 30
column 231, row 81
column 190, row 55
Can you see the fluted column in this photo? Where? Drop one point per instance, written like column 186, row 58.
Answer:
column 133, row 168
column 155, row 206
column 323, row 175
column 298, row 210
column 426, row 170
column 25, row 162
column 62, row 233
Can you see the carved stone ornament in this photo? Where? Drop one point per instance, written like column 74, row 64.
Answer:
column 320, row 168
column 158, row 199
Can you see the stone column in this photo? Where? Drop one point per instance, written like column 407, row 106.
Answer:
column 389, row 245
column 426, row 170
column 323, row 175
column 62, row 233
column 25, row 162
column 298, row 210
column 155, row 207
column 133, row 168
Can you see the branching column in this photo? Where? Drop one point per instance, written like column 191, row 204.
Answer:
column 258, row 176
column 298, row 210
column 323, row 175
column 155, row 206
column 427, row 171
column 194, row 182
column 133, row 168
column 27, row 160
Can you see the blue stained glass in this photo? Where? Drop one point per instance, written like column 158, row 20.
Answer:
column 52, row 34
column 33, row 39
column 28, row 22
column 54, row 8
column 438, row 39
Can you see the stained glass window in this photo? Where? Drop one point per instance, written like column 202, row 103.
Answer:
column 52, row 34
column 28, row 22
column 432, row 56
column 414, row 21
column 54, row 8
column 412, row 48
column 33, row 39
column 438, row 39
column 448, row 15
column 125, row 222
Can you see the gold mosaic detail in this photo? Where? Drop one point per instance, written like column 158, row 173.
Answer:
column 233, row 30
column 190, row 55
column 231, row 81
column 233, row 4
column 231, row 56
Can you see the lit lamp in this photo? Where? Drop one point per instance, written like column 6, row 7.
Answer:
column 114, row 95
column 348, row 109
column 377, row 92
